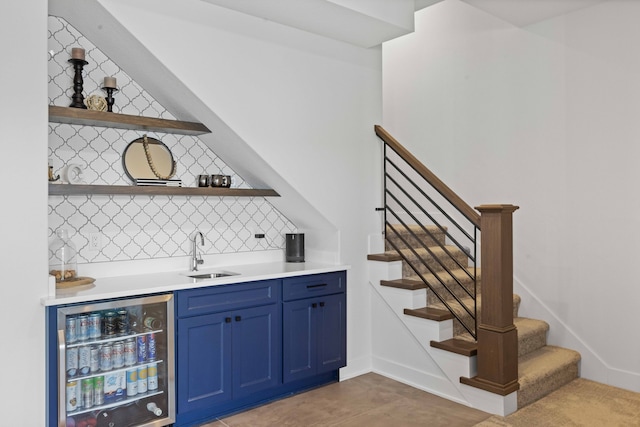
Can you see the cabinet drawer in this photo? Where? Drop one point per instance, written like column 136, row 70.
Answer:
column 227, row 297
column 314, row 285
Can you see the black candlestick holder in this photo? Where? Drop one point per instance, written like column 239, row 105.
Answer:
column 110, row 91
column 77, row 98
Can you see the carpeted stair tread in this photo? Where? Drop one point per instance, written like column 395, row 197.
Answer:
column 532, row 334
column 468, row 302
column 545, row 370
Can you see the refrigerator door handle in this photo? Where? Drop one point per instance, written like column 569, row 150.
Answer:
column 62, row 383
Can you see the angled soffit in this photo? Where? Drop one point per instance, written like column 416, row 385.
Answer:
column 526, row 12
column 364, row 23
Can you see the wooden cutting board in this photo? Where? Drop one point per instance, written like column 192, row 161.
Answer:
column 78, row 281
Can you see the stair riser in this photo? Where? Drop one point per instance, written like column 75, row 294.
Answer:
column 453, row 287
column 431, row 263
column 531, row 343
column 420, row 239
column 535, row 391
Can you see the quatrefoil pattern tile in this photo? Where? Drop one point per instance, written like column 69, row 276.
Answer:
column 140, row 227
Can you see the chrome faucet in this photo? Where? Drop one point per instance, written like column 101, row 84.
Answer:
column 195, row 261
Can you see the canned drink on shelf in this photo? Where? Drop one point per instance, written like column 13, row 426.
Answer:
column 87, row 393
column 94, row 359
column 106, row 357
column 72, row 397
column 95, row 323
column 151, row 347
column 122, row 322
column 152, row 376
column 71, row 355
column 151, row 322
column 98, row 390
column 130, row 355
column 84, row 360
column 109, row 324
column 142, row 379
column 115, row 385
column 132, row 382
column 82, row 326
column 117, row 355
column 141, row 344
column 70, row 330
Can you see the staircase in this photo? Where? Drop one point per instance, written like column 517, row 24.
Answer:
column 541, row 368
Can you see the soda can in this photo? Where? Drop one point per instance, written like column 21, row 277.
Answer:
column 70, row 329
column 98, row 390
column 84, row 360
column 122, row 322
column 151, row 322
column 72, row 397
column 82, row 327
column 142, row 379
column 117, row 355
column 94, row 359
column 132, row 382
column 130, row 355
column 151, row 347
column 109, row 324
column 141, row 344
column 95, row 322
column 152, row 376
column 71, row 355
column 87, row 393
column 106, row 357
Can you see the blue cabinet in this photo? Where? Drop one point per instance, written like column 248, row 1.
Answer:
column 228, row 349
column 314, row 325
column 244, row 344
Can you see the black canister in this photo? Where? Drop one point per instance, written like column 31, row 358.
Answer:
column 294, row 247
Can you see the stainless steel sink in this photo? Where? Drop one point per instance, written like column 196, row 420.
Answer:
column 211, row 275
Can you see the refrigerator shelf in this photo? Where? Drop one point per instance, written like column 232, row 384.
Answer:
column 113, row 371
column 125, row 401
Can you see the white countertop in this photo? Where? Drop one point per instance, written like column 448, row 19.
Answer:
column 141, row 284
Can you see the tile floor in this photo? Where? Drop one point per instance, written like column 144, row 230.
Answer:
column 368, row 400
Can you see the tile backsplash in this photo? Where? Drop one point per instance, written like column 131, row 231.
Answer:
column 140, row 227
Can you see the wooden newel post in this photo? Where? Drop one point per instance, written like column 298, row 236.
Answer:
column 497, row 358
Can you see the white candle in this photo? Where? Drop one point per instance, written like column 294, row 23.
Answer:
column 77, row 53
column 110, row 82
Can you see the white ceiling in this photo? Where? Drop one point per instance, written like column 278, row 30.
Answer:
column 368, row 23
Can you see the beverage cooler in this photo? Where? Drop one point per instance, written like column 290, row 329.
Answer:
column 114, row 364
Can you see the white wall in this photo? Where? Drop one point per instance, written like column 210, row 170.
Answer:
column 23, row 216
column 544, row 117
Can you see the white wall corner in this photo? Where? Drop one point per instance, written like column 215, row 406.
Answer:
column 376, row 243
column 379, row 270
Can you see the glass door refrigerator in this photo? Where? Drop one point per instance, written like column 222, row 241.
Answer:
column 113, row 365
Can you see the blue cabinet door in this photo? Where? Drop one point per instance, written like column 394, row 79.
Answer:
column 256, row 350
column 314, row 340
column 332, row 333
column 299, row 342
column 204, row 362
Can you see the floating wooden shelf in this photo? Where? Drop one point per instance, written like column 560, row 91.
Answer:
column 79, row 116
column 77, row 189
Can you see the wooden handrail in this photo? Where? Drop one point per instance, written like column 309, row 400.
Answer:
column 466, row 210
